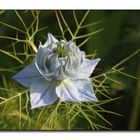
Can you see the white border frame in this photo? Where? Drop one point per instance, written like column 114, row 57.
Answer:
column 70, row 4
column 69, row 135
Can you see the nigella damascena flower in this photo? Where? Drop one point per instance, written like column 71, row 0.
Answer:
column 60, row 70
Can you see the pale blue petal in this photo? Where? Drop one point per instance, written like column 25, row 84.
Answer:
column 42, row 93
column 76, row 90
column 67, row 91
column 43, row 52
column 85, row 90
column 42, row 63
column 51, row 40
column 54, row 63
column 44, row 56
column 59, row 74
column 70, row 47
column 27, row 75
column 87, row 67
column 39, row 60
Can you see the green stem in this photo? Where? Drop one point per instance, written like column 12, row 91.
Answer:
column 136, row 107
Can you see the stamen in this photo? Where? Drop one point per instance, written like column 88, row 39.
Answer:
column 60, row 50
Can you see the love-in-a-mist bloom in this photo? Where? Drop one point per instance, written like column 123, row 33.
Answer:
column 60, row 70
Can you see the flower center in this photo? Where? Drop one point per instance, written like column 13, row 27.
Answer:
column 60, row 50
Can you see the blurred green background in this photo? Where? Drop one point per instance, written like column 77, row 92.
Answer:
column 119, row 39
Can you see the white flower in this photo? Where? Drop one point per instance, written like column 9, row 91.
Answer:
column 60, row 70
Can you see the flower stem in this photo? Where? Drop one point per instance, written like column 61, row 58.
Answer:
column 136, row 107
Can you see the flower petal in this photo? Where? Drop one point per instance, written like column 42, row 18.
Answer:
column 51, row 40
column 39, row 60
column 27, row 75
column 42, row 93
column 67, row 91
column 76, row 90
column 87, row 67
column 44, row 52
column 40, row 64
column 85, row 90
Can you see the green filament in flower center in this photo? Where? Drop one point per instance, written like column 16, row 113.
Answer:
column 60, row 50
